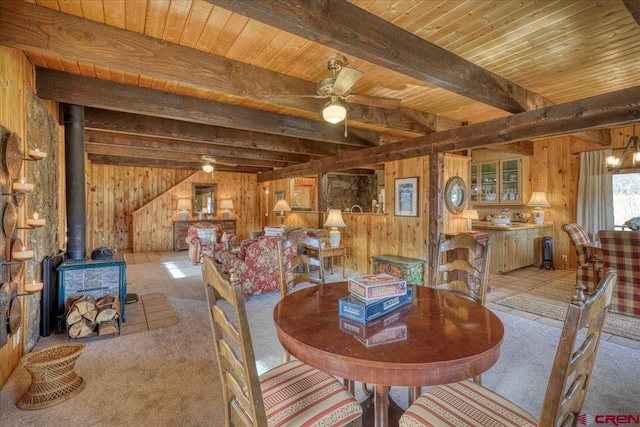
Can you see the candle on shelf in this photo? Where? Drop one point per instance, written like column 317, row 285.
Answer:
column 22, row 255
column 33, row 287
column 36, row 222
column 23, row 186
column 36, row 154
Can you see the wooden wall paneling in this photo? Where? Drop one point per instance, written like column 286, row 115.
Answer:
column 15, row 73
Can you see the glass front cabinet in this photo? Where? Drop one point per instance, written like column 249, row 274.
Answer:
column 497, row 182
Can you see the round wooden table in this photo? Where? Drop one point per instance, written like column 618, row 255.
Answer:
column 439, row 338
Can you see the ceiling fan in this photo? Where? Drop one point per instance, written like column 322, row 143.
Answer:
column 339, row 87
column 208, row 163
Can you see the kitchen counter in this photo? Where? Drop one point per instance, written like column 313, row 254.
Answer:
column 486, row 225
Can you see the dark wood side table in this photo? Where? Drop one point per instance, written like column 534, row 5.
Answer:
column 181, row 228
column 328, row 252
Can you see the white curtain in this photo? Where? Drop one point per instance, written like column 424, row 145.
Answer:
column 595, row 193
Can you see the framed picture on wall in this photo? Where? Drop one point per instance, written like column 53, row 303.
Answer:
column 406, row 197
column 279, row 195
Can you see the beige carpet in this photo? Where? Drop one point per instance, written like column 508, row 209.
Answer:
column 552, row 298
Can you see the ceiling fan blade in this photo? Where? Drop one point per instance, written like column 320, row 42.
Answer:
column 347, row 77
column 213, row 160
column 374, row 101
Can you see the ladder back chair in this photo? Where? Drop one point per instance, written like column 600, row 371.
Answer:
column 295, row 271
column 469, row 276
column 292, row 394
column 468, row 403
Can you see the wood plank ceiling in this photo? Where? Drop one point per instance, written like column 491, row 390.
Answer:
column 165, row 82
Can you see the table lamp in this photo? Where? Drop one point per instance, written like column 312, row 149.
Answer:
column 469, row 214
column 184, row 205
column 538, row 200
column 280, row 208
column 334, row 220
column 226, row 204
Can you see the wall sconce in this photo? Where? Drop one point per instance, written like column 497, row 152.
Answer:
column 334, row 220
column 35, row 155
column 32, row 288
column 280, row 208
column 226, row 204
column 539, row 200
column 35, row 222
column 184, row 205
column 22, row 254
column 23, row 186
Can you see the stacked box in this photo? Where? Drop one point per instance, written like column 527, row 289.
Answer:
column 371, row 287
column 384, row 330
column 354, row 308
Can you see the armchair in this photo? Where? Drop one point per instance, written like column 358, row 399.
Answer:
column 204, row 236
column 257, row 263
column 587, row 272
column 621, row 251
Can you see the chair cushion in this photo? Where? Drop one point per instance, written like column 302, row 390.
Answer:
column 465, row 403
column 296, row 395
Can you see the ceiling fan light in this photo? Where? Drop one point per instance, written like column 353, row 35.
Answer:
column 334, row 112
column 207, row 167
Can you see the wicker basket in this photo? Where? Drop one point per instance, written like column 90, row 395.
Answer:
column 53, row 376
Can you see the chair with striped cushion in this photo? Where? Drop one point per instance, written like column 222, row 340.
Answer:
column 621, row 251
column 292, row 394
column 586, row 273
column 470, row 404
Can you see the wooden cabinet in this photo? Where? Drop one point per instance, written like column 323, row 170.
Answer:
column 499, row 181
column 181, row 228
column 512, row 249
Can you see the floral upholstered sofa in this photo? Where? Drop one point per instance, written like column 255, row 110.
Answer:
column 204, row 236
column 256, row 263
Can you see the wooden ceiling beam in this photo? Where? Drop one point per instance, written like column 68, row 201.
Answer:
column 602, row 111
column 159, row 163
column 134, row 124
column 524, row 148
column 91, row 92
column 633, row 6
column 151, row 153
column 270, row 158
column 28, row 27
column 354, row 31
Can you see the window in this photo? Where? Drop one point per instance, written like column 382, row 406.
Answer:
column 626, row 198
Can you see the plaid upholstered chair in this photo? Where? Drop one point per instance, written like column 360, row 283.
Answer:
column 621, row 251
column 292, row 394
column 586, row 274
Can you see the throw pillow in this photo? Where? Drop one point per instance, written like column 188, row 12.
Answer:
column 206, row 236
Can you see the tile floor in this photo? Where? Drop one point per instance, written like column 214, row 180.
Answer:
column 502, row 285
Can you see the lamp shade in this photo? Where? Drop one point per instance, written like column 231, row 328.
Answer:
column 282, row 206
column 335, row 219
column 184, row 204
column 539, row 199
column 470, row 214
column 334, row 112
column 226, row 204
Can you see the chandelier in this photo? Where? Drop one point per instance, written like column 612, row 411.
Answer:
column 620, row 164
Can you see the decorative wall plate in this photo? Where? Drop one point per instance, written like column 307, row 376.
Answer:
column 10, row 219
column 13, row 155
column 15, row 315
column 17, row 270
column 5, row 299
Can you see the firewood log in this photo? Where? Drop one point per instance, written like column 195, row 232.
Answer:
column 108, row 327
column 82, row 328
column 91, row 315
column 107, row 313
column 85, row 304
column 73, row 315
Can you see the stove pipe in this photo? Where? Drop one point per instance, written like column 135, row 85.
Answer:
column 74, row 167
